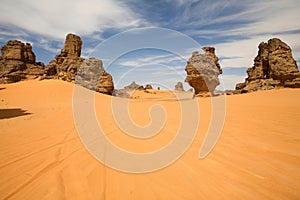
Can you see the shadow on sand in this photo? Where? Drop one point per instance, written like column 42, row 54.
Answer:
column 2, row 88
column 12, row 112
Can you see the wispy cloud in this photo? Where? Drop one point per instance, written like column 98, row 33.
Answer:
column 47, row 45
column 261, row 20
column 164, row 59
column 233, row 17
column 55, row 18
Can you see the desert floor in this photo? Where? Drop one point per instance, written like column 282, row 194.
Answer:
column 42, row 157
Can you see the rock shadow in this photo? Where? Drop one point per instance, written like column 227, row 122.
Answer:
column 12, row 112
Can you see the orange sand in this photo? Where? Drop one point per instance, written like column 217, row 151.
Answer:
column 42, row 157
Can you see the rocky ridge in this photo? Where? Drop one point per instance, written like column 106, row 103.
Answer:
column 18, row 62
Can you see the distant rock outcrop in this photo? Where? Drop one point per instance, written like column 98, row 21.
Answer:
column 89, row 73
column 127, row 91
column 134, row 86
column 179, row 86
column 148, row 87
column 203, row 70
column 18, row 62
column 274, row 67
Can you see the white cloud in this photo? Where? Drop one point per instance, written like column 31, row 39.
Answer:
column 271, row 17
column 164, row 59
column 18, row 33
column 55, row 18
column 131, row 63
column 240, row 17
column 45, row 44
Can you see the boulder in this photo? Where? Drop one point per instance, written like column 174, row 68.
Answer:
column 202, row 72
column 105, row 84
column 274, row 67
column 92, row 75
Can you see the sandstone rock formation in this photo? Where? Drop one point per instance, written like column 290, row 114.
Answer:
column 68, row 64
column 274, row 67
column 211, row 52
column 179, row 86
column 18, row 62
column 202, row 71
column 92, row 75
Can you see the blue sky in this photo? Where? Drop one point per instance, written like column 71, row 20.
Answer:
column 233, row 27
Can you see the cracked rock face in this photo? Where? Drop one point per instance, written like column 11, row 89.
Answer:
column 274, row 67
column 202, row 71
column 18, row 62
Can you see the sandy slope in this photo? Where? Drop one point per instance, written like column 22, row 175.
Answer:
column 42, row 157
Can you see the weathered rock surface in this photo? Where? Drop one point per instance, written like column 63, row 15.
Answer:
column 274, row 67
column 179, row 86
column 68, row 66
column 92, row 75
column 67, row 63
column 18, row 62
column 211, row 52
column 202, row 71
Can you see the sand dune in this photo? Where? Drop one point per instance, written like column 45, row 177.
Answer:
column 42, row 157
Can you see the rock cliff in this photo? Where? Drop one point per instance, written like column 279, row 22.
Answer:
column 274, row 67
